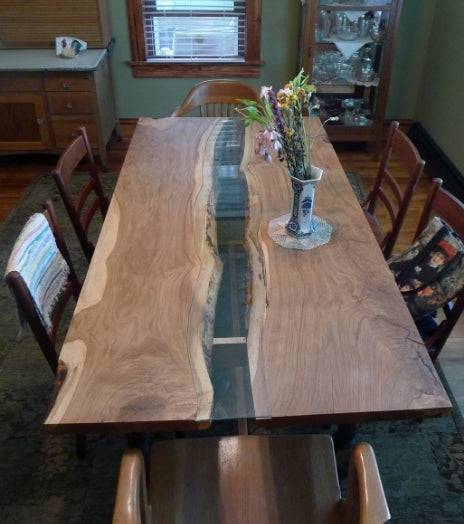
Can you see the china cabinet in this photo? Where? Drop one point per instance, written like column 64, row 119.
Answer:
column 347, row 50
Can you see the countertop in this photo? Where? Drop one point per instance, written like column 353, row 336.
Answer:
column 46, row 60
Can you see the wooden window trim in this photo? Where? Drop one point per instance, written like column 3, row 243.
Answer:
column 141, row 68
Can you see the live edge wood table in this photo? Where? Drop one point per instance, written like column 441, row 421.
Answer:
column 190, row 312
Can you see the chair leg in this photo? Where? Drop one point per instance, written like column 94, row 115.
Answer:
column 81, row 446
column 143, row 442
column 345, row 436
column 344, row 441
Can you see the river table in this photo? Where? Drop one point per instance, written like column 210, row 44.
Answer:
column 190, row 312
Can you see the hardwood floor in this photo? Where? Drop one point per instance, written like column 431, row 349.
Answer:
column 17, row 171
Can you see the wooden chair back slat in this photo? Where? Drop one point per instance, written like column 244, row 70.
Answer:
column 216, row 98
column 397, row 199
column 82, row 209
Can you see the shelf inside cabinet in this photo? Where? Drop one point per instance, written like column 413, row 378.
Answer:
column 332, row 68
column 352, row 5
column 349, row 107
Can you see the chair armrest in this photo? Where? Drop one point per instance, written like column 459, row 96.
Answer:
column 365, row 499
column 131, row 506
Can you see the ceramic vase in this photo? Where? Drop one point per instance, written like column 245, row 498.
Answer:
column 301, row 223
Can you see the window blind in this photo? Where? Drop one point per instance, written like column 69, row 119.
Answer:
column 195, row 30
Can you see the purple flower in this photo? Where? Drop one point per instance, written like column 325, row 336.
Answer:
column 266, row 141
column 281, row 116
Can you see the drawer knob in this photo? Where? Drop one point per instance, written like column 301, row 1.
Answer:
column 74, row 134
column 69, row 105
column 66, row 85
column 40, row 121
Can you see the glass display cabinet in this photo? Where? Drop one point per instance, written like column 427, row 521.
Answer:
column 347, row 50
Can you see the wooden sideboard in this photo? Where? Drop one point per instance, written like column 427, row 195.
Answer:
column 45, row 98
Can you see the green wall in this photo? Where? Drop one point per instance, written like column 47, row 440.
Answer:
column 426, row 82
column 158, row 96
column 279, row 50
column 428, row 74
column 409, row 57
column 440, row 107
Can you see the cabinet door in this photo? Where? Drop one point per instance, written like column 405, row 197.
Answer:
column 348, row 54
column 24, row 125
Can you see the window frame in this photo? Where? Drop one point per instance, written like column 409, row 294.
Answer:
column 142, row 68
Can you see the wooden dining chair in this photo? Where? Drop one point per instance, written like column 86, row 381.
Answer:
column 394, row 196
column 443, row 204
column 216, row 98
column 90, row 198
column 42, row 279
column 249, row 479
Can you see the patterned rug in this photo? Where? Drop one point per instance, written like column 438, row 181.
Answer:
column 42, row 481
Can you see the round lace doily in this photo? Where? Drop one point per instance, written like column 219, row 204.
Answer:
column 280, row 235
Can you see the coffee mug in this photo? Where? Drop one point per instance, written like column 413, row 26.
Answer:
column 69, row 47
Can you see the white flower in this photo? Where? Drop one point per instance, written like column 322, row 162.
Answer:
column 264, row 91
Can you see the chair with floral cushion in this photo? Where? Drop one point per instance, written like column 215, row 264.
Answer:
column 438, row 306
column 389, row 192
column 216, row 98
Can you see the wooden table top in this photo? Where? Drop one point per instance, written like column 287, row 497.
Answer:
column 329, row 337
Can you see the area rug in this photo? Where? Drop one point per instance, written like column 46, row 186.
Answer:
column 42, row 481
column 422, row 466
column 357, row 185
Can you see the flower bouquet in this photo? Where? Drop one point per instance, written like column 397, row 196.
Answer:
column 281, row 115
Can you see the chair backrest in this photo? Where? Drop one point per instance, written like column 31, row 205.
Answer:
column 249, row 478
column 216, row 98
column 91, row 197
column 443, row 204
column 42, row 279
column 395, row 197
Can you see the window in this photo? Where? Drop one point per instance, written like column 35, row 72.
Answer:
column 191, row 38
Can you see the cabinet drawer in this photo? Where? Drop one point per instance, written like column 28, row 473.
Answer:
column 69, row 103
column 76, row 82
column 20, row 82
column 65, row 130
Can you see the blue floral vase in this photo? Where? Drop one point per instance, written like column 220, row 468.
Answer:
column 301, row 223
